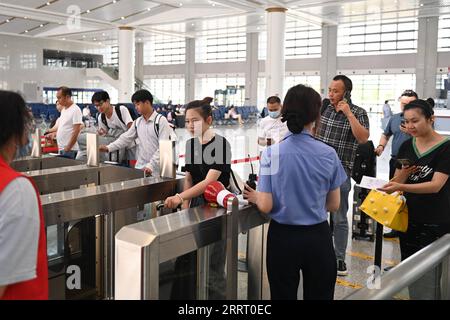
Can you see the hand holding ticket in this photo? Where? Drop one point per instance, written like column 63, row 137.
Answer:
column 371, row 183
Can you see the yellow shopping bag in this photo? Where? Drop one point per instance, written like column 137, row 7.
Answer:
column 388, row 209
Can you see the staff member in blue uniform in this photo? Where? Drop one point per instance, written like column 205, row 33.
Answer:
column 299, row 182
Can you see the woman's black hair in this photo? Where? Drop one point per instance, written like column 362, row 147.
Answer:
column 424, row 106
column 301, row 106
column 431, row 102
column 204, row 107
column 15, row 116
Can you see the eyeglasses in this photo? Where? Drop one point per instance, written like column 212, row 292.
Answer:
column 99, row 104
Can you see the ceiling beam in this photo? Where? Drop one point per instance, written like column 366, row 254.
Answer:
column 304, row 16
column 165, row 33
column 239, row 5
column 48, row 16
column 319, row 3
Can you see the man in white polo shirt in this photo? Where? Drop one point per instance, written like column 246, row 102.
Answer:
column 69, row 124
column 271, row 129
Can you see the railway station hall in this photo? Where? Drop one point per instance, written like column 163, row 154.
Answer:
column 236, row 150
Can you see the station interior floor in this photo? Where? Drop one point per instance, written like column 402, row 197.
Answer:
column 360, row 253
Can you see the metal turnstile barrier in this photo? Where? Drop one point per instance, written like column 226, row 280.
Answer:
column 142, row 247
column 107, row 207
column 45, row 162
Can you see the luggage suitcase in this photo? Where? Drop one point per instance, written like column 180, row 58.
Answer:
column 363, row 227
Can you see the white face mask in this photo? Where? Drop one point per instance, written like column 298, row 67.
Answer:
column 274, row 114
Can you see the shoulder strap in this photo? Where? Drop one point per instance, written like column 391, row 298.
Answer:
column 119, row 114
column 103, row 116
column 156, row 124
column 236, row 183
column 136, row 125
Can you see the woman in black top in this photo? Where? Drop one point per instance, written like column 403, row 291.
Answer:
column 208, row 159
column 426, row 187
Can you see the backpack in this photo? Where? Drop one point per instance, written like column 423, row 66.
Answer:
column 156, row 126
column 365, row 162
column 119, row 115
column 236, row 183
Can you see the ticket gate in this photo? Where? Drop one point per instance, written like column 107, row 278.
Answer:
column 82, row 224
column 143, row 248
column 45, row 162
column 84, row 206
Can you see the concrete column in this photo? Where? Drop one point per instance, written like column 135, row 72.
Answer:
column 426, row 63
column 189, row 74
column 251, row 70
column 275, row 62
column 328, row 60
column 139, row 61
column 126, row 63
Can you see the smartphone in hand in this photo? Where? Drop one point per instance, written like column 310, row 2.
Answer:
column 404, row 162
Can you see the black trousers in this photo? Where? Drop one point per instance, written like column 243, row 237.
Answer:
column 309, row 249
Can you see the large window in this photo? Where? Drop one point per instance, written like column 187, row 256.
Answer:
column 167, row 89
column 79, row 95
column 224, row 41
column 378, row 37
column 226, row 89
column 28, row 61
column 110, row 53
column 444, row 33
column 442, row 84
column 4, row 63
column 290, row 81
column 261, row 95
column 164, row 50
column 301, row 42
column 371, row 90
column 293, row 80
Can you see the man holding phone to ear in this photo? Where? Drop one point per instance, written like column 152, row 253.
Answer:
column 396, row 128
column 342, row 126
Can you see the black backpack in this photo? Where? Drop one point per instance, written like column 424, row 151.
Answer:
column 365, row 162
column 119, row 115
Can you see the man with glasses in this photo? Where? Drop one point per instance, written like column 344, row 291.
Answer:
column 396, row 128
column 112, row 120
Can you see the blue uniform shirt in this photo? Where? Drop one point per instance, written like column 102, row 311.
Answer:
column 299, row 172
column 393, row 128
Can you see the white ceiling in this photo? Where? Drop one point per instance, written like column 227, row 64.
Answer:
column 191, row 18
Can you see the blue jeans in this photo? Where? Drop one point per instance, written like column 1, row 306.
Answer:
column 340, row 222
column 68, row 154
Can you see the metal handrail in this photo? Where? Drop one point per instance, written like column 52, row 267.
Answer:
column 409, row 271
